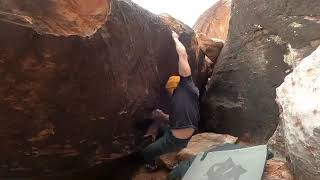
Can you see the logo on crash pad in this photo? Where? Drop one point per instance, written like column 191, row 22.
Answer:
column 227, row 170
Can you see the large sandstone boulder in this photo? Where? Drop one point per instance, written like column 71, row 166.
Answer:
column 266, row 39
column 72, row 102
column 211, row 47
column 214, row 22
column 299, row 101
column 58, row 17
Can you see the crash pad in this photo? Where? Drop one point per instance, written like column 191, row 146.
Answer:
column 236, row 164
column 180, row 170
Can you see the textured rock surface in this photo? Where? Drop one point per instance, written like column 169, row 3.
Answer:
column 59, row 17
column 299, row 100
column 277, row 143
column 198, row 143
column 71, row 102
column 266, row 38
column 277, row 170
column 214, row 22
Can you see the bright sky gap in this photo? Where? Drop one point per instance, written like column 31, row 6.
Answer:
column 186, row 11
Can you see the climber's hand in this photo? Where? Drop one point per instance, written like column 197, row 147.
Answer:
column 157, row 113
column 175, row 35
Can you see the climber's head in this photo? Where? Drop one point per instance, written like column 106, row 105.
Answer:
column 172, row 84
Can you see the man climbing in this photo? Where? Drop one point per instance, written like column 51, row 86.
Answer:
column 184, row 114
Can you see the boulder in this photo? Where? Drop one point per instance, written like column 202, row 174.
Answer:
column 71, row 102
column 299, row 101
column 198, row 143
column 214, row 22
column 211, row 47
column 58, row 17
column 266, row 39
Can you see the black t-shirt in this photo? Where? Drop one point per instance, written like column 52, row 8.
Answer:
column 185, row 105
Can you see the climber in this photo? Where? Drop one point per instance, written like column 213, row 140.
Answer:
column 184, row 113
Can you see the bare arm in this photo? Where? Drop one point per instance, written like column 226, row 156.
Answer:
column 184, row 67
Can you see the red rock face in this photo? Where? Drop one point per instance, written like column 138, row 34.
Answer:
column 277, row 170
column 72, row 102
column 214, row 23
column 57, row 17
